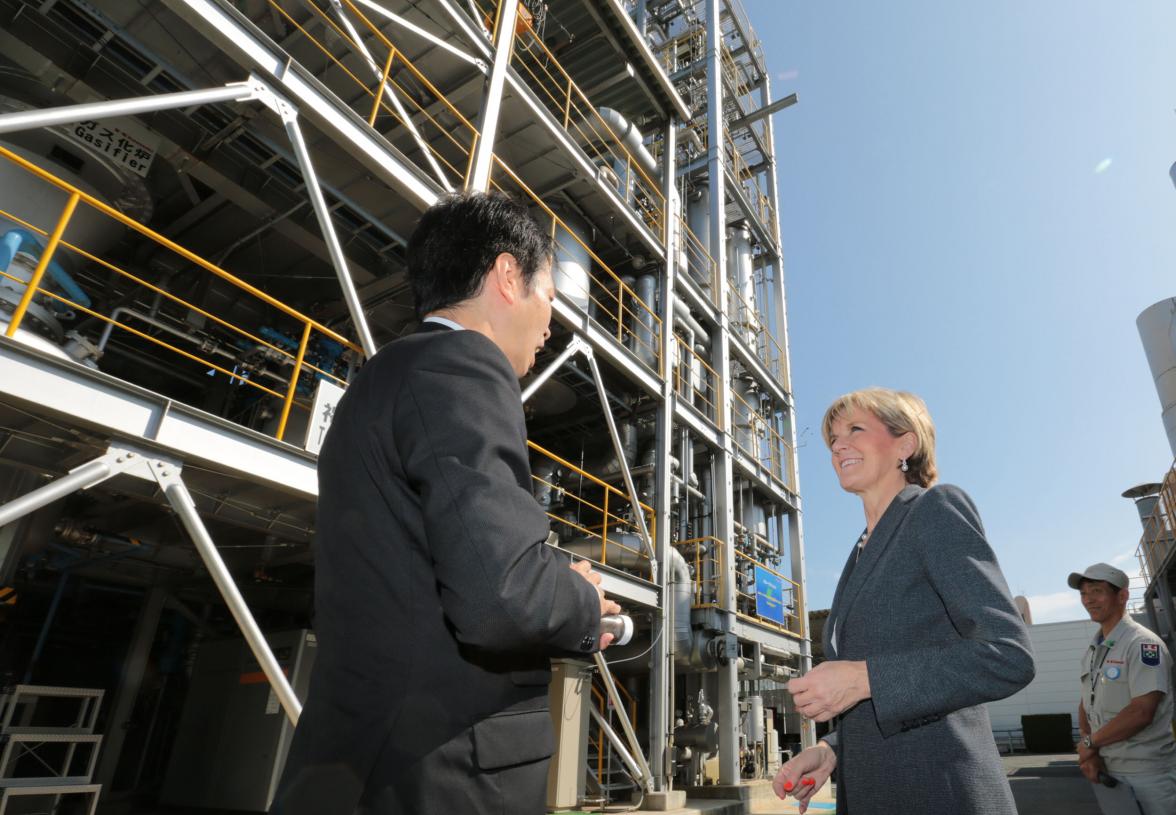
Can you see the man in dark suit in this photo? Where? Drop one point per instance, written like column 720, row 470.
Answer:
column 438, row 604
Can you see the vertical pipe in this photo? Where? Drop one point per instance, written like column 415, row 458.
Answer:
column 808, row 730
column 483, row 153
column 43, row 264
column 661, row 678
column 334, row 248
column 293, row 383
column 728, row 679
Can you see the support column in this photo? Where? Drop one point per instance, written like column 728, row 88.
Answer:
column 327, row 226
column 168, row 476
column 661, row 680
column 808, row 730
column 127, row 694
column 482, row 157
column 727, row 704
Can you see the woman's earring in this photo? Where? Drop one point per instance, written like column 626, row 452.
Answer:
column 903, row 466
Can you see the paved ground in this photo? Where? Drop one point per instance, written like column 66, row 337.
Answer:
column 1049, row 785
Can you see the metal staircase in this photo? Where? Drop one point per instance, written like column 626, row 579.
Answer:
column 43, row 757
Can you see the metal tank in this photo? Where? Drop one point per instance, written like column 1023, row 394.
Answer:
column 572, row 260
column 739, row 269
column 1157, row 330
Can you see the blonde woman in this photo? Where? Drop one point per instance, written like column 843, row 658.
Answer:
column 921, row 634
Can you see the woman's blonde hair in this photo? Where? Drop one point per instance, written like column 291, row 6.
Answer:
column 902, row 413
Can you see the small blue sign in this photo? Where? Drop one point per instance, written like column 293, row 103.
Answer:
column 769, row 595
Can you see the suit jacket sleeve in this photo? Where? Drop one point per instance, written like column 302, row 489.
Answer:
column 992, row 657
column 462, row 442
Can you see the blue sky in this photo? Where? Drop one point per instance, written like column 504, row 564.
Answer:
column 975, row 206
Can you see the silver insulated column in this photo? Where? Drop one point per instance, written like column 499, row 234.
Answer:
column 1157, row 330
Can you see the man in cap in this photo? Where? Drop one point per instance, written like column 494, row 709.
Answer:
column 1125, row 713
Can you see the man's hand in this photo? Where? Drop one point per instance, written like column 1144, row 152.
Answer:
column 1086, row 754
column 1092, row 766
column 803, row 775
column 830, row 688
column 584, row 569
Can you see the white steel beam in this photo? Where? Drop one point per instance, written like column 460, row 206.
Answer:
column 483, row 158
column 51, row 117
column 107, row 405
column 230, row 28
column 338, row 259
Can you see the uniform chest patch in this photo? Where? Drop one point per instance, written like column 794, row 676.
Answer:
column 1149, row 653
column 1113, row 672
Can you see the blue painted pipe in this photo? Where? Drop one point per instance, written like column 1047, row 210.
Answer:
column 21, row 240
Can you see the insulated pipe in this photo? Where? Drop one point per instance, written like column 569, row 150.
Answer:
column 631, row 140
column 643, row 336
column 682, row 312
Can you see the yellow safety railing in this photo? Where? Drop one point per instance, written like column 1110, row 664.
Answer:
column 1158, row 541
column 748, row 324
column 746, row 602
column 602, row 705
column 755, row 435
column 616, row 303
column 457, row 137
column 594, row 509
column 705, row 555
column 618, row 308
column 283, row 384
column 699, row 263
column 565, row 100
column 697, row 382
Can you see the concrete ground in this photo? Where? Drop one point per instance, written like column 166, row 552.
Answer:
column 1050, row 785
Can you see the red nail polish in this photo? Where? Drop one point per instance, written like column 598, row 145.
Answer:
column 808, row 782
column 788, row 785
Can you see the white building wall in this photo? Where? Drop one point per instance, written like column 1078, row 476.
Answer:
column 1057, row 649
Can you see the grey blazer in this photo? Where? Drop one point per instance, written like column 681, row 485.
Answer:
column 929, row 611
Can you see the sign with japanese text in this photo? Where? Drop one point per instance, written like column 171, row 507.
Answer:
column 124, row 141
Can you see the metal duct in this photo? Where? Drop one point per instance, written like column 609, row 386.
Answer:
column 644, row 336
column 623, row 550
column 632, row 140
column 682, row 312
column 739, row 267
column 1146, row 497
column 1157, row 330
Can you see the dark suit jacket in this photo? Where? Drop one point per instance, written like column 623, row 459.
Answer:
column 437, row 602
column 929, row 611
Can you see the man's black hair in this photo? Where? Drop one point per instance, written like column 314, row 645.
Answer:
column 457, row 240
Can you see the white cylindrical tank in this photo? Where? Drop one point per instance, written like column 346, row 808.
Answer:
column 1157, row 330
column 739, row 269
column 755, row 720
column 572, row 260
column 698, row 219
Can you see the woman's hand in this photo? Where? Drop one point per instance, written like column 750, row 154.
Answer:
column 830, row 688
column 803, row 775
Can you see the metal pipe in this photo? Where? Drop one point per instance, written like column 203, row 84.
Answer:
column 630, row 139
column 338, row 260
column 618, row 745
column 390, row 93
column 482, row 157
column 420, row 32
column 42, row 265
column 575, row 345
column 629, row 485
column 610, row 686
column 682, row 312
column 29, row 119
column 87, row 475
column 181, row 501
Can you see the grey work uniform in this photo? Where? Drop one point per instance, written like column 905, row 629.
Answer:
column 1131, row 662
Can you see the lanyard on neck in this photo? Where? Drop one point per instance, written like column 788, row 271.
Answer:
column 1096, row 670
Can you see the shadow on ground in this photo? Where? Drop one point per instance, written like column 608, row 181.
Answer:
column 1049, row 785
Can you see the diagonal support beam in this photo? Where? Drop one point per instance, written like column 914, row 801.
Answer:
column 579, row 345
column 483, row 155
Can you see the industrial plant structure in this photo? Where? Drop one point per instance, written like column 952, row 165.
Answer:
column 203, row 213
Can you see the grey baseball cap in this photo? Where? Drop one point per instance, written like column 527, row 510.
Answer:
column 1100, row 571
